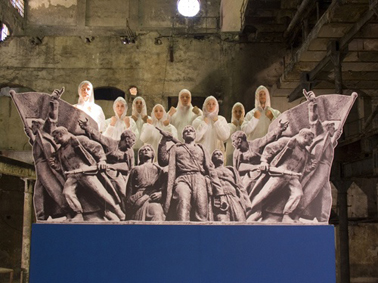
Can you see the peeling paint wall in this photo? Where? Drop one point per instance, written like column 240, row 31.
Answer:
column 52, row 12
column 36, row 4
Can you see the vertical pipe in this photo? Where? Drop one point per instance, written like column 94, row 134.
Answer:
column 26, row 229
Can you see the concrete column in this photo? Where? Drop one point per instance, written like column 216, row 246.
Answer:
column 336, row 58
column 342, row 200
column 26, row 229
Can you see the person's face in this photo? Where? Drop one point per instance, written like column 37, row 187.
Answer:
column 331, row 130
column 133, row 91
column 236, row 142
column 262, row 96
column 139, row 106
column 211, row 105
column 125, row 143
column 238, row 112
column 159, row 112
column 308, row 139
column 59, row 138
column 185, row 99
column 86, row 91
column 119, row 108
column 35, row 127
column 146, row 153
column 217, row 157
column 189, row 134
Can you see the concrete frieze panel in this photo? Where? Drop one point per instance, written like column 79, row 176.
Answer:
column 86, row 176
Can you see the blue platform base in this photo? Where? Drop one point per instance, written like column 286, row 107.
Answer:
column 181, row 253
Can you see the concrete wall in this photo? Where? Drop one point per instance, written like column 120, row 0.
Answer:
column 363, row 250
column 210, row 66
column 11, row 212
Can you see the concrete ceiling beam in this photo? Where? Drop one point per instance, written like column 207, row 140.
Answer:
column 363, row 45
column 16, row 168
column 360, row 66
column 343, row 44
column 354, row 56
column 350, row 75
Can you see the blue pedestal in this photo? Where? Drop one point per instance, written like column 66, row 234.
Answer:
column 181, row 253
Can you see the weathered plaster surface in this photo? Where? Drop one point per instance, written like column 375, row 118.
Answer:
column 206, row 67
column 36, row 4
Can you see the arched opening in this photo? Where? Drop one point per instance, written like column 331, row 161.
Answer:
column 108, row 93
column 5, row 32
column 19, row 5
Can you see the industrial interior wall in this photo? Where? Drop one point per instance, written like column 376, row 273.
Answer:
column 11, row 212
column 207, row 66
column 228, row 70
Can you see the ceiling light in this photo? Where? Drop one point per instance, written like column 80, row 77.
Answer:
column 130, row 37
column 158, row 41
column 188, row 8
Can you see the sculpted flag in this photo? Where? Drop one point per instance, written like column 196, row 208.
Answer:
column 36, row 105
column 331, row 107
column 51, row 112
column 325, row 116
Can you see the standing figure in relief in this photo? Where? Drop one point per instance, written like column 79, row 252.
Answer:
column 149, row 134
column 119, row 156
column 237, row 198
column 184, row 113
column 237, row 119
column 82, row 161
column 139, row 115
column 285, row 162
column 144, row 188
column 192, row 181
column 317, row 196
column 247, row 154
column 48, row 198
column 87, row 104
column 117, row 124
column 212, row 129
column 257, row 121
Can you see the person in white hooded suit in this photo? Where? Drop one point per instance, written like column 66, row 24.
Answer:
column 117, row 124
column 257, row 121
column 139, row 115
column 86, row 103
column 212, row 129
column 149, row 134
column 184, row 113
column 237, row 119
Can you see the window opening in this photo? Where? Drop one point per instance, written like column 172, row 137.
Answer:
column 19, row 5
column 4, row 32
column 108, row 93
